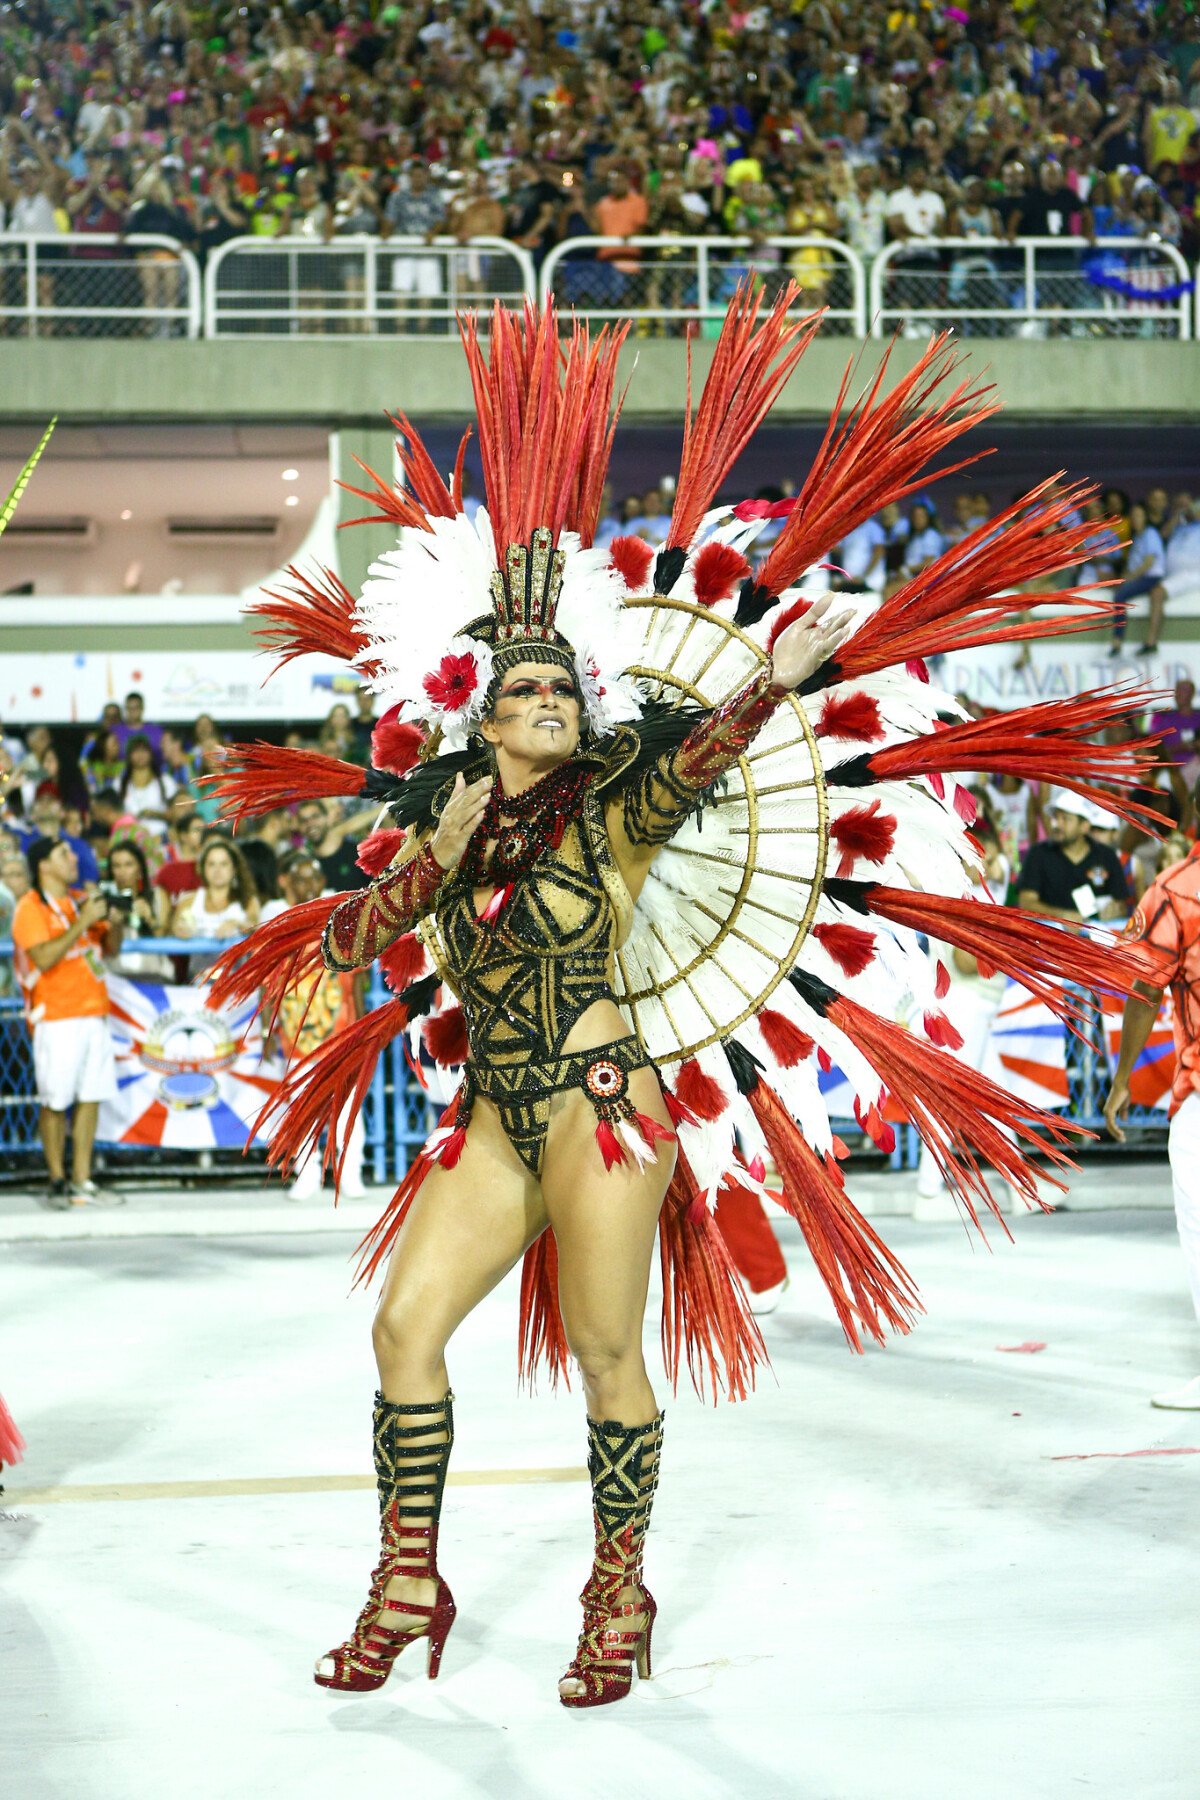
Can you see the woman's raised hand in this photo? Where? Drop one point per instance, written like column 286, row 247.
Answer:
column 459, row 821
column 809, row 642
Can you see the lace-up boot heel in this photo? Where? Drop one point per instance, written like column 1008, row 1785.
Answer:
column 623, row 1463
column 412, row 1450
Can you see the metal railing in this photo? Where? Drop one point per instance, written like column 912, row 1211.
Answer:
column 398, row 1115
column 358, row 286
column 677, row 285
column 95, row 284
column 1033, row 287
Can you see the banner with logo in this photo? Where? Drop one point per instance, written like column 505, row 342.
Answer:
column 189, row 1077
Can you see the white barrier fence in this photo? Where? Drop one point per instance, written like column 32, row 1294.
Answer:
column 673, row 285
column 358, row 286
column 95, row 284
column 1033, row 287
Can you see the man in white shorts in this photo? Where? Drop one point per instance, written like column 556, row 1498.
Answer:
column 59, row 936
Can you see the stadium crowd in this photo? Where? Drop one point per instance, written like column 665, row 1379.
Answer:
column 545, row 120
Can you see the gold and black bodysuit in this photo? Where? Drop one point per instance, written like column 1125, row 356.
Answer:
column 524, row 978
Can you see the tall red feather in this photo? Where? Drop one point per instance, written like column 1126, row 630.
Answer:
column 878, row 453
column 1055, row 738
column 540, row 1333
column 260, row 778
column 752, row 360
column 960, row 1114
column 869, row 1287
column 326, row 1088
column 274, row 958
column 378, row 1242
column 973, row 593
column 1040, row 953
column 544, row 425
column 705, row 1319
column 312, row 617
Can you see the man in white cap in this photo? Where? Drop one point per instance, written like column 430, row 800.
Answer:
column 1167, row 925
column 1069, row 875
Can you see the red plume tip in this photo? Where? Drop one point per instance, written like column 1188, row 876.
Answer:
column 697, row 1090
column 717, row 570
column 854, row 716
column 403, row 962
column 786, row 1042
column 377, row 851
column 395, row 747
column 445, row 1037
column 851, row 948
column 863, row 832
column 632, row 556
column 941, row 1032
column 610, row 1146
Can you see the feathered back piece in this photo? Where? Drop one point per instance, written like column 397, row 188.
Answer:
column 546, row 421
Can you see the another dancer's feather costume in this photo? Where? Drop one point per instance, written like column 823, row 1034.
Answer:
column 792, row 850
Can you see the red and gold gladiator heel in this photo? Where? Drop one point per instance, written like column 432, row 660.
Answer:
column 623, row 1464
column 410, row 1468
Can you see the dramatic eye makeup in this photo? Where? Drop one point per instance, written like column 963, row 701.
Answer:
column 525, row 690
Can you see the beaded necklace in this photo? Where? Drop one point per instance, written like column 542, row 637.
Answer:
column 540, row 815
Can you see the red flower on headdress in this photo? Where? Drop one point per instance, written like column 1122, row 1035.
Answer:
column 453, row 683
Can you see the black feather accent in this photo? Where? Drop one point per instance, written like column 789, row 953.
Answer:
column 855, row 895
column 418, row 997
column 855, row 772
column 829, row 672
column 813, row 991
column 744, row 1065
column 753, row 602
column 668, row 567
column 411, row 797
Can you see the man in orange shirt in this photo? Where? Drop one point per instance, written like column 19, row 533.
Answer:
column 58, row 935
column 620, row 213
column 1167, row 925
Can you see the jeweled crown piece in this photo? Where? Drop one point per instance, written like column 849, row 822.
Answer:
column 525, row 592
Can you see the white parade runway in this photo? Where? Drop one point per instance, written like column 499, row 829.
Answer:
column 932, row 1571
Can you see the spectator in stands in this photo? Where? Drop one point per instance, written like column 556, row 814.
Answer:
column 924, row 543
column 1183, row 547
column 46, row 821
column 143, row 907
column 620, row 212
column 860, row 560
column 263, row 865
column 1145, row 567
column 133, row 723
column 1069, row 876
column 333, row 839
column 180, row 765
column 58, row 932
column 225, row 905
column 415, row 209
column 179, row 874
column 102, row 762
column 1178, row 725
column 145, row 791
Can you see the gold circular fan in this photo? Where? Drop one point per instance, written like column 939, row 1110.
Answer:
column 706, row 673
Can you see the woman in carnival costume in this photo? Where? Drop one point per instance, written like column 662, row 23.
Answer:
column 662, row 837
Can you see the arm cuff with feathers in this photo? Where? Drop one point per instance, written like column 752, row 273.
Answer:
column 658, row 801
column 362, row 927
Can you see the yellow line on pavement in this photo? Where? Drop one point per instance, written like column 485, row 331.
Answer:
column 262, row 1484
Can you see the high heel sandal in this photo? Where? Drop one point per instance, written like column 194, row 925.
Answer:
column 623, row 1463
column 410, row 1465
